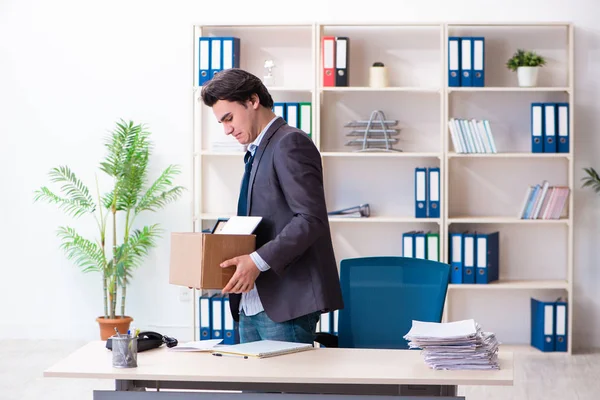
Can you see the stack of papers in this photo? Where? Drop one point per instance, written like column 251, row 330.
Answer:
column 454, row 345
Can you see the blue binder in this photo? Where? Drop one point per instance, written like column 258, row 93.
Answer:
column 408, row 244
column 550, row 128
column 456, row 257
column 279, row 109
column 469, row 251
column 488, row 257
column 228, row 323
column 562, row 127
column 217, row 316
column 433, row 192
column 420, row 192
column 230, row 52
column 466, row 61
column 478, row 44
column 204, row 61
column 216, row 56
column 205, row 317
column 454, row 61
column 542, row 325
column 537, row 127
column 561, row 318
column 292, row 114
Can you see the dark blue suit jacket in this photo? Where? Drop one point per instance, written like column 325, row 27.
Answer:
column 294, row 238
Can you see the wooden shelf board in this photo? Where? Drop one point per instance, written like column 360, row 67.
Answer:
column 517, row 284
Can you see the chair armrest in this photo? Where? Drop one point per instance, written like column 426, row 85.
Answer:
column 327, row 339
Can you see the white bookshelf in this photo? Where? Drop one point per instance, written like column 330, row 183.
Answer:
column 479, row 191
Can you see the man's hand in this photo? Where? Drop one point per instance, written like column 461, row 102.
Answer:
column 245, row 274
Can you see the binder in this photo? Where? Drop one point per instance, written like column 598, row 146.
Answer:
column 408, row 244
column 205, row 317
column 469, row 249
column 562, row 127
column 420, row 245
column 433, row 192
column 549, row 128
column 230, row 52
column 433, row 246
column 542, row 325
column 456, row 257
column 454, row 61
column 478, row 61
column 328, row 55
column 466, row 61
column 537, row 128
column 342, row 52
column 488, row 257
column 325, row 322
column 279, row 110
column 215, row 56
column 216, row 303
column 562, row 322
column 305, row 118
column 204, row 61
column 228, row 323
column 334, row 321
column 420, row 192
column 291, row 114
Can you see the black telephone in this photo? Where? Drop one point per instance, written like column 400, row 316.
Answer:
column 149, row 340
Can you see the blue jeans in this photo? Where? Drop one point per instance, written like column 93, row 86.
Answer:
column 261, row 327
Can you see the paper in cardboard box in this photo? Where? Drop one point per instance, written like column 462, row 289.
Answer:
column 195, row 258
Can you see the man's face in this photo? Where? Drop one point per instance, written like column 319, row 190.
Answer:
column 238, row 120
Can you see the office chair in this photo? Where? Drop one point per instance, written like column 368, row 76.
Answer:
column 382, row 296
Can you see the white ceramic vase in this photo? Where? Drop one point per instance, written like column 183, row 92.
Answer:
column 527, row 76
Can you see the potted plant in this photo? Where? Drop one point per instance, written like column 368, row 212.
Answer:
column 126, row 163
column 526, row 63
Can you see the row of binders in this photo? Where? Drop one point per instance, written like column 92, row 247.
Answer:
column 544, row 201
column 550, row 127
column 474, row 257
column 216, row 54
column 420, row 244
column 335, row 56
column 427, row 192
column 472, row 136
column 297, row 115
column 216, row 321
column 466, row 61
column 549, row 325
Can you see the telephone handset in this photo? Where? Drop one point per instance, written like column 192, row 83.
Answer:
column 149, row 340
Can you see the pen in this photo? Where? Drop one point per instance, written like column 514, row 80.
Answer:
column 229, row 355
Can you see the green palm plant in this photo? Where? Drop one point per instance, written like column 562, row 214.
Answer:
column 592, row 180
column 126, row 163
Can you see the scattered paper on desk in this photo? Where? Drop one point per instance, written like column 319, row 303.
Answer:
column 200, row 345
column 240, row 225
column 454, row 345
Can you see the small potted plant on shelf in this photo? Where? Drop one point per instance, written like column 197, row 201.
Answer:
column 527, row 64
column 126, row 163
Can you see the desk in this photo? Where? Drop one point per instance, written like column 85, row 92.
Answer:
column 319, row 374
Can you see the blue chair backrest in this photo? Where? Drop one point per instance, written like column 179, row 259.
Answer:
column 383, row 295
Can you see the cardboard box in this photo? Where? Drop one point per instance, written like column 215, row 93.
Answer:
column 195, row 258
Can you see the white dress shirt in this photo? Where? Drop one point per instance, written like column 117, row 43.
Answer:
column 250, row 302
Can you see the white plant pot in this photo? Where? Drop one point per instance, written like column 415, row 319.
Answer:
column 527, row 76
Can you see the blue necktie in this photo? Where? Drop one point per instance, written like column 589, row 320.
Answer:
column 243, row 200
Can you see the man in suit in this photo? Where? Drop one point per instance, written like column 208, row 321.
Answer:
column 279, row 291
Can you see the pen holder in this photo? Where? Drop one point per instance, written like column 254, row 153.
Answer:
column 378, row 76
column 124, row 351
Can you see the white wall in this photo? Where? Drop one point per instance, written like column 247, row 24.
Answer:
column 70, row 69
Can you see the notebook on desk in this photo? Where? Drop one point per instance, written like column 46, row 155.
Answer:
column 264, row 348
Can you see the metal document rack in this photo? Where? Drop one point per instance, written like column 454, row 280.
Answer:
column 377, row 133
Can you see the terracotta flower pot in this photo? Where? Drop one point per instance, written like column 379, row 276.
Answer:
column 108, row 325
